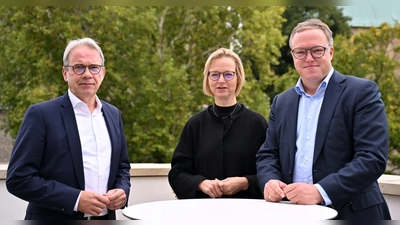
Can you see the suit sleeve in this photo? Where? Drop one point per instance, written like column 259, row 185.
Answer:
column 24, row 178
column 366, row 147
column 267, row 157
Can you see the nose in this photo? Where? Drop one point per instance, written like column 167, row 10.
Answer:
column 309, row 57
column 221, row 78
column 87, row 73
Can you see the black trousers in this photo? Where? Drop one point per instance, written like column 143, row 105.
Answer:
column 105, row 217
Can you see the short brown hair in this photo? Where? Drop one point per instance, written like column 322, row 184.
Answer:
column 312, row 23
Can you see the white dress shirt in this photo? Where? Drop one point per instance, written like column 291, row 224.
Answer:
column 96, row 146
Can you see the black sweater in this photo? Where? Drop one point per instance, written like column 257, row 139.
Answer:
column 207, row 151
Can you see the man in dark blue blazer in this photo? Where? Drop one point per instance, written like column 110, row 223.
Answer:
column 327, row 140
column 70, row 158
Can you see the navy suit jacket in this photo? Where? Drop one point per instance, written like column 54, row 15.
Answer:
column 351, row 144
column 46, row 166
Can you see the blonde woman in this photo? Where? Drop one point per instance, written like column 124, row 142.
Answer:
column 215, row 157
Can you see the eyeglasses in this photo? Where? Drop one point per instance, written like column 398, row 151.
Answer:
column 316, row 52
column 228, row 75
column 80, row 69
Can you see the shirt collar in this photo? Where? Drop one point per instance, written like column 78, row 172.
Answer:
column 75, row 101
column 300, row 89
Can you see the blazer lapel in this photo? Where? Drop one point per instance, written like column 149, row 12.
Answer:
column 71, row 129
column 331, row 98
column 111, row 123
column 290, row 115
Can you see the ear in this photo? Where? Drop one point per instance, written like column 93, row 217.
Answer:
column 64, row 72
column 104, row 73
column 331, row 51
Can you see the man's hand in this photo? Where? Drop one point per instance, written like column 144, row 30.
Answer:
column 92, row 203
column 117, row 198
column 273, row 191
column 303, row 193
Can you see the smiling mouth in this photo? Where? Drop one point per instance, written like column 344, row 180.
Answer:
column 311, row 66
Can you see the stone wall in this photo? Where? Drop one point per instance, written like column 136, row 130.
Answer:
column 6, row 142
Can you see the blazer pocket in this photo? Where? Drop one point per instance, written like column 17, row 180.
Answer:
column 367, row 199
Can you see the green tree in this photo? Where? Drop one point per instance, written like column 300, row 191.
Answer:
column 30, row 59
column 260, row 41
column 154, row 61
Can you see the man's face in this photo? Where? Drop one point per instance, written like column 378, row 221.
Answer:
column 312, row 69
column 84, row 86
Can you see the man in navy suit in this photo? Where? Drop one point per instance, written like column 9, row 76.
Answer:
column 327, row 140
column 70, row 159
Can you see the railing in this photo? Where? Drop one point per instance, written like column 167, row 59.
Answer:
column 150, row 183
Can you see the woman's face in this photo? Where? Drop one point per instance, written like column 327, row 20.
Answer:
column 223, row 89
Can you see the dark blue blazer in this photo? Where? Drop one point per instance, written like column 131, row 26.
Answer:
column 351, row 145
column 46, row 166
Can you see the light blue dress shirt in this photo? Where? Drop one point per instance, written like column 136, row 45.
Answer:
column 307, row 121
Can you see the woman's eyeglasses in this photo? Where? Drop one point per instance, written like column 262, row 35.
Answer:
column 214, row 75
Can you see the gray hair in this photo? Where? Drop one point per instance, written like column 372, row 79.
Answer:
column 78, row 42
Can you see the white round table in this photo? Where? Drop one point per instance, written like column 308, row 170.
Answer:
column 225, row 211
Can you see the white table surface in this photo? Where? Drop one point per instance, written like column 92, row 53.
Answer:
column 225, row 211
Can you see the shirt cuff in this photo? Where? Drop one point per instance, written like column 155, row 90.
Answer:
column 325, row 197
column 77, row 202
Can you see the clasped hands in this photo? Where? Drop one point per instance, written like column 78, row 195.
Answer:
column 229, row 186
column 93, row 203
column 298, row 193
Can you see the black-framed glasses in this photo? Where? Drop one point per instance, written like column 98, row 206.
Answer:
column 214, row 75
column 79, row 69
column 316, row 52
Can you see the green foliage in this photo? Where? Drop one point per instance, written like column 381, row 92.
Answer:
column 261, row 39
column 30, row 60
column 154, row 61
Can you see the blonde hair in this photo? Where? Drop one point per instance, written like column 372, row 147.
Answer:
column 312, row 23
column 220, row 53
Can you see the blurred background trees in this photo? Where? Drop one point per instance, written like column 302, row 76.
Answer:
column 155, row 58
